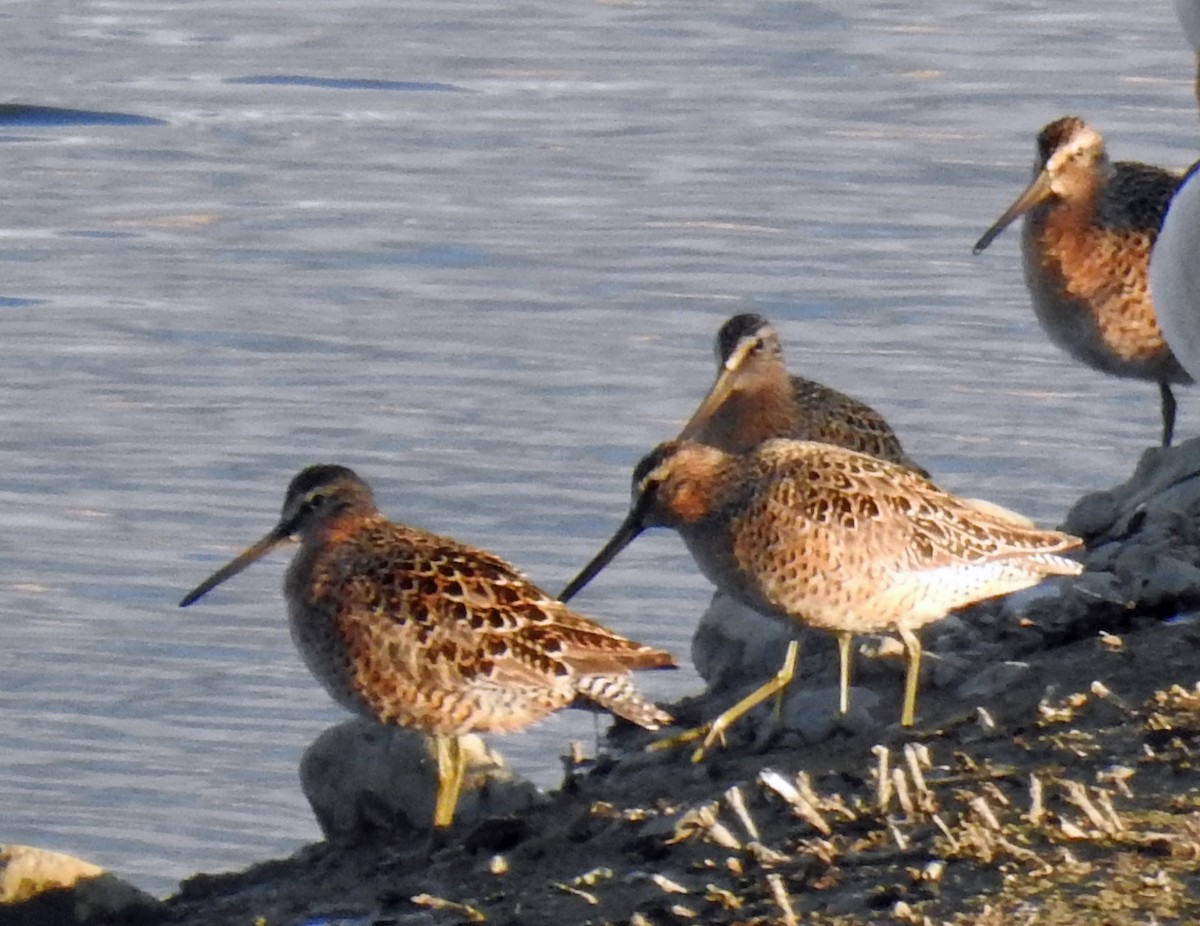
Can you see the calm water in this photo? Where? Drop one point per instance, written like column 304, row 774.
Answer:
column 479, row 253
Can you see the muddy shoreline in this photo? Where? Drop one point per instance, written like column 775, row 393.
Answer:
column 1082, row 806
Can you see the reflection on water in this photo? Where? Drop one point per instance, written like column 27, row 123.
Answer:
column 490, row 303
column 55, row 116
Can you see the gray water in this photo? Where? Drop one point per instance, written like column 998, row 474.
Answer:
column 479, row 253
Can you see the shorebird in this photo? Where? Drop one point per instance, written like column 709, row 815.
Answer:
column 753, row 399
column 833, row 539
column 421, row 631
column 1089, row 227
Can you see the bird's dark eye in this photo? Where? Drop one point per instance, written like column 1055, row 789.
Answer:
column 648, row 487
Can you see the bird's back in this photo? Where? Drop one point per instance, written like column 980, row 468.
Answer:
column 843, row 540
column 1137, row 196
column 421, row 630
column 832, row 417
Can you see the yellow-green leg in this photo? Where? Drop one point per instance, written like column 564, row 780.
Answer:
column 714, row 731
column 912, row 675
column 844, row 640
column 450, row 767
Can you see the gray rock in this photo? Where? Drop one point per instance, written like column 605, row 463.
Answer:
column 813, row 712
column 1154, row 577
column 1099, row 586
column 992, row 681
column 1170, row 472
column 362, row 777
column 1102, row 558
column 1093, row 514
column 945, row 669
column 1017, row 605
column 734, row 645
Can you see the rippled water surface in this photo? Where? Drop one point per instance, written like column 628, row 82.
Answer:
column 478, row 252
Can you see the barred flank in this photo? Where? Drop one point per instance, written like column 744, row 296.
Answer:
column 618, row 694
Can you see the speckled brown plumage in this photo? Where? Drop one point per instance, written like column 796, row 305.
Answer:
column 443, row 638
column 1086, row 240
column 419, row 630
column 754, row 399
column 834, row 539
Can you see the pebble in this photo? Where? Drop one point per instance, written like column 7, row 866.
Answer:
column 43, row 886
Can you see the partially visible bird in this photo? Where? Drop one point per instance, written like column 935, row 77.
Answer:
column 1188, row 13
column 832, row 539
column 1175, row 274
column 754, row 399
column 1089, row 228
column 1174, row 268
column 421, row 631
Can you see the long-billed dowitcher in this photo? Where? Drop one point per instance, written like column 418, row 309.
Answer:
column 833, row 539
column 753, row 399
column 421, row 631
column 1089, row 227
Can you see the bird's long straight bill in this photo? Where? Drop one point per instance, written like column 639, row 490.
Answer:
column 236, row 565
column 1035, row 193
column 716, row 397
column 629, row 529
